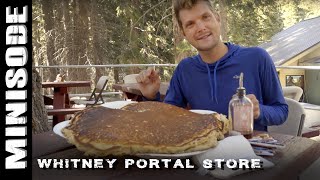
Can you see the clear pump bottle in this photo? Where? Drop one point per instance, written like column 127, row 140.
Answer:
column 241, row 111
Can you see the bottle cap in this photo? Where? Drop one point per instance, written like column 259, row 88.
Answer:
column 241, row 91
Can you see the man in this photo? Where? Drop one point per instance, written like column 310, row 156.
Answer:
column 207, row 80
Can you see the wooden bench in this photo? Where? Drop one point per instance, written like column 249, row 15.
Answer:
column 61, row 112
column 49, row 101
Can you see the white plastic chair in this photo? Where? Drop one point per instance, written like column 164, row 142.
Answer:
column 295, row 121
column 96, row 95
column 293, row 92
column 130, row 78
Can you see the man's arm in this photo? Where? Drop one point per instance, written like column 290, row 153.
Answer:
column 274, row 109
column 174, row 93
column 150, row 92
column 273, row 115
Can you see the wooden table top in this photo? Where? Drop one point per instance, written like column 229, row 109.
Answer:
column 66, row 84
column 289, row 162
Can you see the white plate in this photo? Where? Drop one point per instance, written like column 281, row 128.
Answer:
column 117, row 104
column 171, row 156
column 200, row 111
column 58, row 127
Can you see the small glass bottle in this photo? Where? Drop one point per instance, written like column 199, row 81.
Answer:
column 241, row 111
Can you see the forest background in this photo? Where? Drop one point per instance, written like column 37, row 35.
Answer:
column 102, row 32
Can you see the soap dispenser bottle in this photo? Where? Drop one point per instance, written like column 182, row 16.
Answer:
column 241, row 111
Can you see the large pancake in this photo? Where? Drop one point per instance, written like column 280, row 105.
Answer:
column 148, row 127
column 172, row 111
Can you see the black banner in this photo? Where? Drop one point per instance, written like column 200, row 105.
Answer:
column 16, row 89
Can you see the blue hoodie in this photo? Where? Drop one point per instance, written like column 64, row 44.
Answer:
column 211, row 86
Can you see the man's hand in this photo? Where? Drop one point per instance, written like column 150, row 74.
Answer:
column 149, row 82
column 256, row 108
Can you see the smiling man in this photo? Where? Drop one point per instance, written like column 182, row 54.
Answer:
column 207, row 80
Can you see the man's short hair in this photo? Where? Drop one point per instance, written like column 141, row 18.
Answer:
column 188, row 4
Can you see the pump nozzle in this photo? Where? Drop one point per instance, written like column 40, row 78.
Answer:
column 241, row 80
column 241, row 90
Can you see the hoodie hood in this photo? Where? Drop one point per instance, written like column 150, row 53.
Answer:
column 211, row 69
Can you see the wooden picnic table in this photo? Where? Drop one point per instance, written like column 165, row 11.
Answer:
column 61, row 96
column 132, row 91
column 290, row 162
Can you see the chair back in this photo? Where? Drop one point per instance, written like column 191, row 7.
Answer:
column 293, row 92
column 130, row 78
column 96, row 94
column 102, row 82
column 295, row 121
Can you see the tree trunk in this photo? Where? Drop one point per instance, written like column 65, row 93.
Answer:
column 49, row 28
column 178, row 38
column 59, row 43
column 39, row 112
column 68, row 31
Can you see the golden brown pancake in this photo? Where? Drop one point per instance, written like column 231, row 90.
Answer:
column 146, row 127
column 173, row 111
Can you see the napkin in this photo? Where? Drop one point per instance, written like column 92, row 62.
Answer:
column 232, row 147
